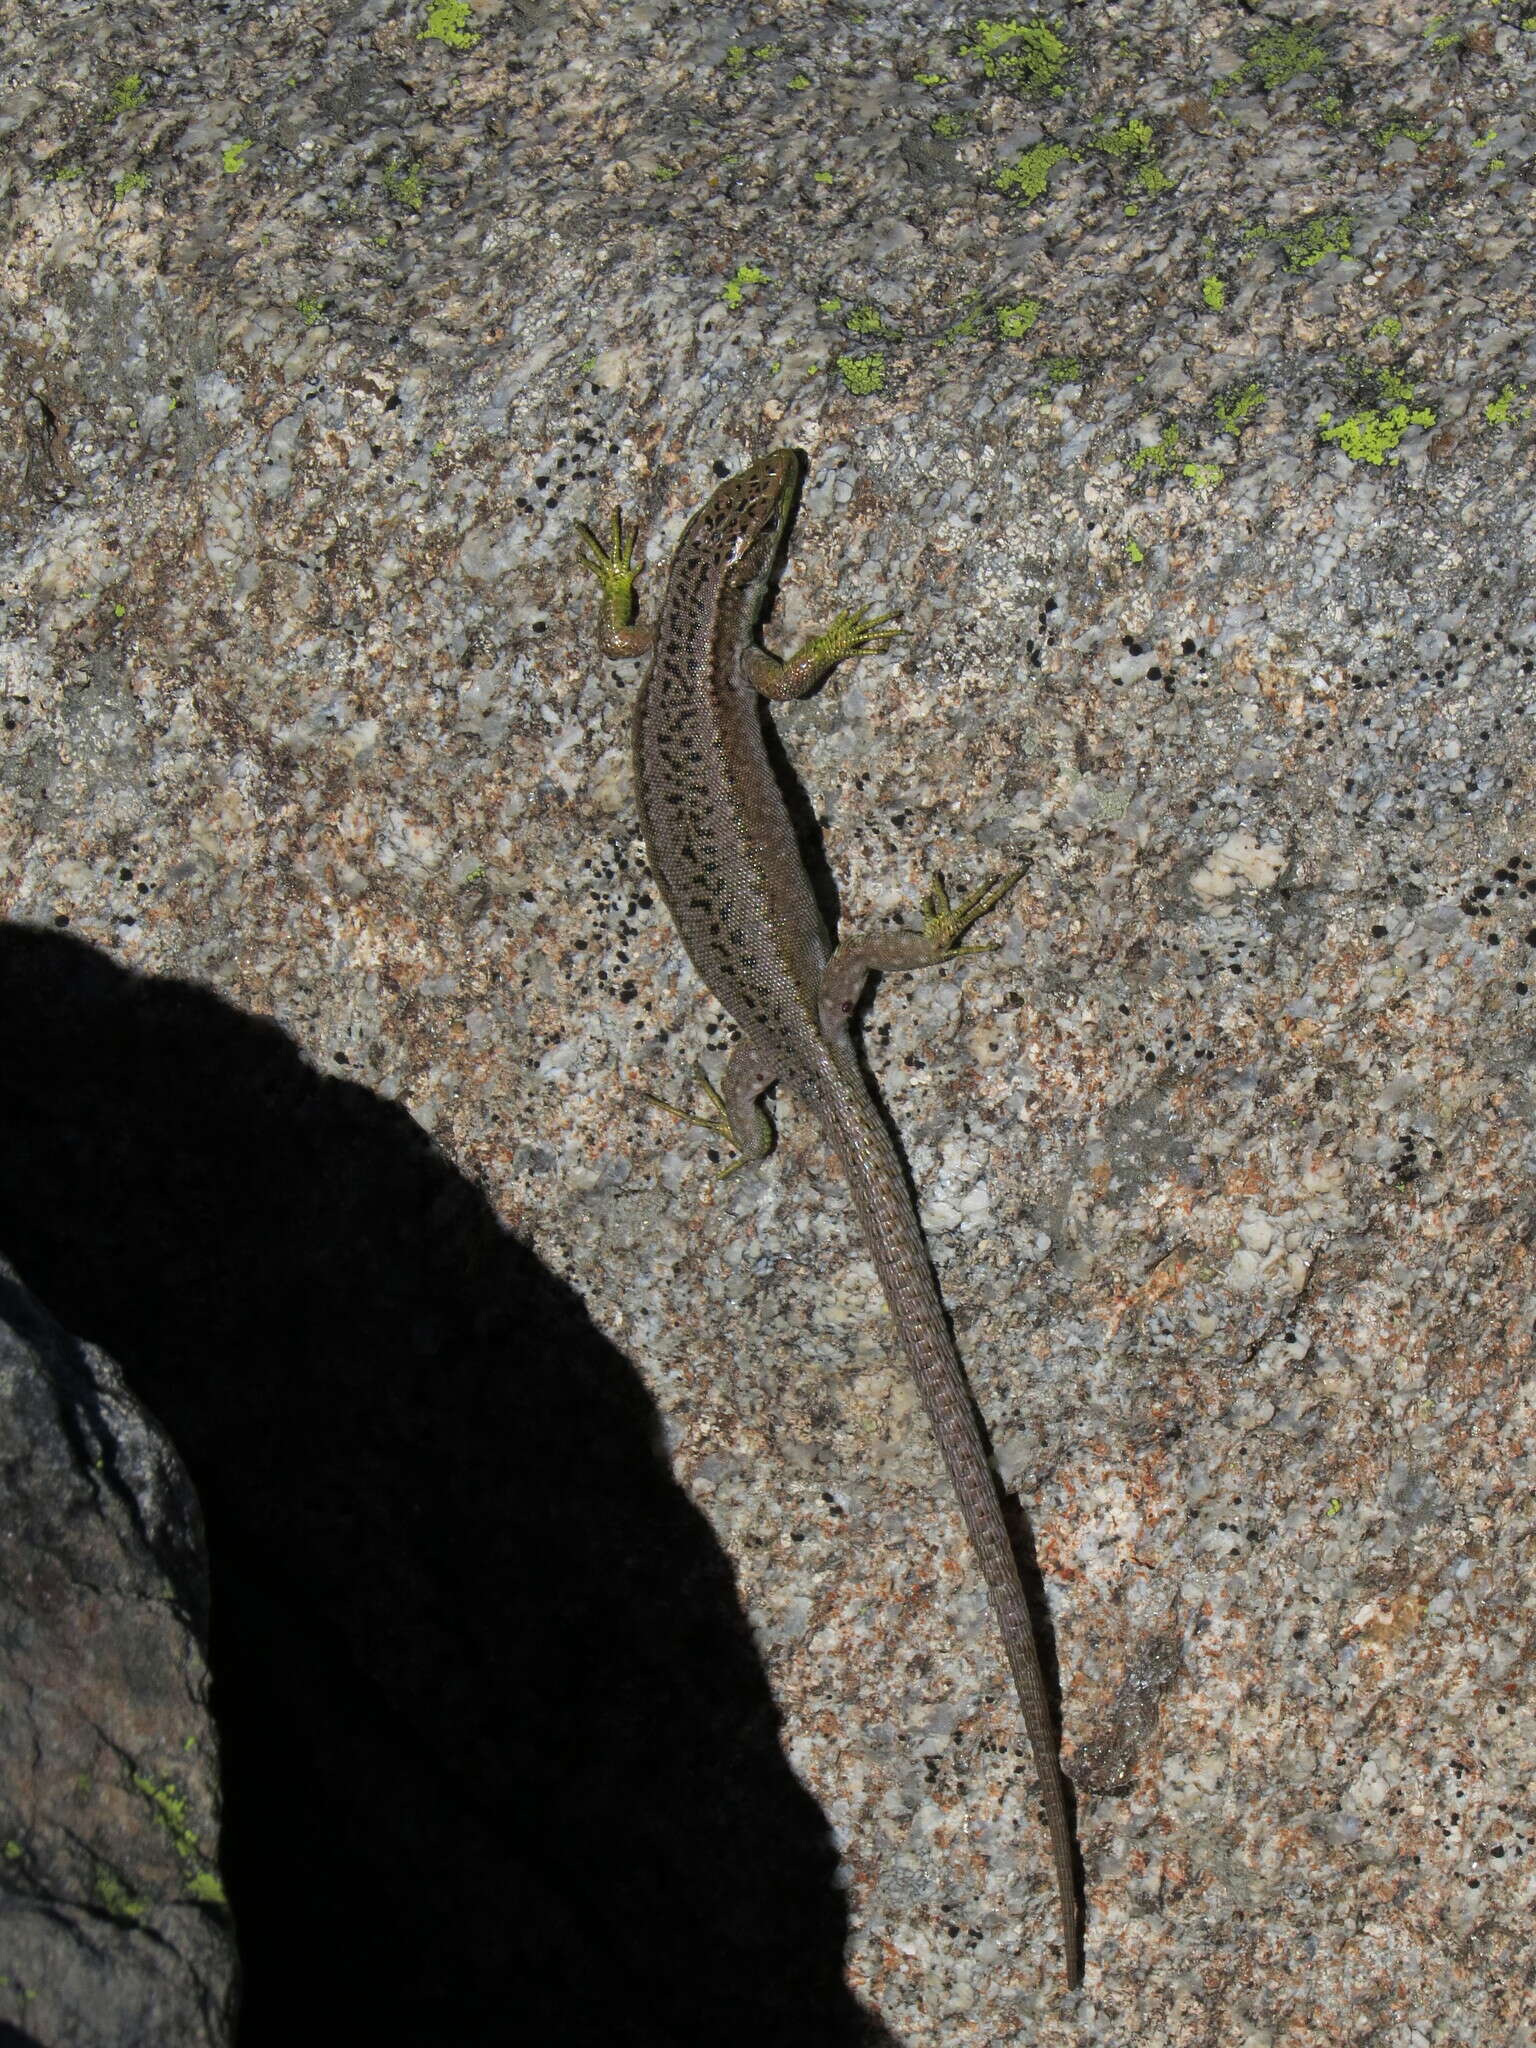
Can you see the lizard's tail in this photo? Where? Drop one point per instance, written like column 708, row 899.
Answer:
column 895, row 1241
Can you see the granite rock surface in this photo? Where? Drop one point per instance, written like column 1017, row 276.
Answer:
column 1171, row 369
column 113, row 1922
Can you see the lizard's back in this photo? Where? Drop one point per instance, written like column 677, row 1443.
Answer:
column 717, row 830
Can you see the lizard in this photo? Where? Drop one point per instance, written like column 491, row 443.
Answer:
column 723, row 852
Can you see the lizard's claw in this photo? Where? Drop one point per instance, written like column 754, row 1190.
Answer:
column 945, row 923
column 719, row 1125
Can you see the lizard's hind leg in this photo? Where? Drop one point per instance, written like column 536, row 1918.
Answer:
column 944, row 925
column 739, row 1121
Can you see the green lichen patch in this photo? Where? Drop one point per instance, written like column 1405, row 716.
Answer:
column 1398, row 128
column 233, row 155
column 1030, row 55
column 170, row 1811
column 1130, row 138
column 127, row 95
column 1329, row 234
column 1393, row 386
column 1161, row 457
column 117, row 1898
column 1132, row 142
column 1027, row 177
column 1374, row 434
column 1015, row 321
column 1235, row 407
column 870, row 324
column 1509, row 407
column 448, row 22
column 1214, row 292
column 862, row 375
column 739, row 58
column 1165, row 458
column 1373, row 430
column 745, row 277
column 970, row 325
column 1308, row 242
column 405, row 184
column 1275, row 56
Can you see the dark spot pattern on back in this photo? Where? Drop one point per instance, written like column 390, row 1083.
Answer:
column 717, row 832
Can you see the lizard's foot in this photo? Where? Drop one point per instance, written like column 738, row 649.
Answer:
column 719, row 1125
column 615, row 570
column 613, row 565
column 945, row 923
column 849, row 633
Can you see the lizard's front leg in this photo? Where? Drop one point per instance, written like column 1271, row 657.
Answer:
column 944, row 925
column 850, row 633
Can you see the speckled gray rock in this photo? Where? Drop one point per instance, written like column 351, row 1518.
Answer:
column 113, row 1931
column 1172, row 368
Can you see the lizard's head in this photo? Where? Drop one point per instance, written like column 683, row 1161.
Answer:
column 747, row 518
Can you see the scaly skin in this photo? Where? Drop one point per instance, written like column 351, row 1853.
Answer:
column 724, row 855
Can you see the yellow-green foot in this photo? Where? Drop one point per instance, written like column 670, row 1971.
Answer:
column 718, row 1125
column 849, row 633
column 945, row 923
column 613, row 565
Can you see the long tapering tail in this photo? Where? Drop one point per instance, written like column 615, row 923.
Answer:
column 895, row 1242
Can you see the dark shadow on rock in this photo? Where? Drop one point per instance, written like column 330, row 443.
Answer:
column 500, row 1763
